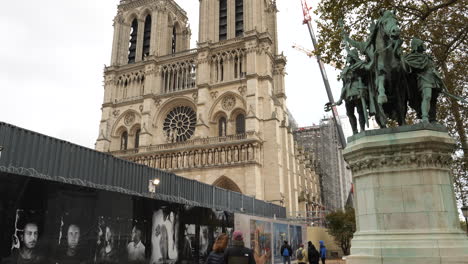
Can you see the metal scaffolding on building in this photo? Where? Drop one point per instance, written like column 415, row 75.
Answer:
column 322, row 143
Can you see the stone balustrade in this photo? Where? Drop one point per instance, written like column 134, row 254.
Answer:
column 197, row 153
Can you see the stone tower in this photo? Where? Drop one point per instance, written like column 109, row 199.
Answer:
column 216, row 113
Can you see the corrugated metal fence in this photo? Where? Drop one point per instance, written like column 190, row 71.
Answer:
column 35, row 155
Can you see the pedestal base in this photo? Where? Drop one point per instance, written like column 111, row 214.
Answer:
column 409, row 248
column 404, row 199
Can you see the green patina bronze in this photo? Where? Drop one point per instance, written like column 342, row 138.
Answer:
column 355, row 89
column 387, row 81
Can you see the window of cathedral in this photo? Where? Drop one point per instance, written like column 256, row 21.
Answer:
column 137, row 138
column 221, row 70
column 222, row 127
column 124, row 141
column 222, row 20
column 239, row 18
column 240, row 124
column 236, row 67
column 133, row 41
column 147, row 37
column 174, row 39
column 179, row 124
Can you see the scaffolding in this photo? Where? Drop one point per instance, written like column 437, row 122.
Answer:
column 322, row 143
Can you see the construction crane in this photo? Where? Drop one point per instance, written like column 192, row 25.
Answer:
column 308, row 20
column 309, row 52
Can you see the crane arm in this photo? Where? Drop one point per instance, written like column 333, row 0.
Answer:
column 308, row 21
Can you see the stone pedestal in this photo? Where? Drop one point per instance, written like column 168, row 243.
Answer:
column 405, row 203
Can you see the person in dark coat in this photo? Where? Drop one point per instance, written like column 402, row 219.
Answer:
column 217, row 255
column 238, row 253
column 313, row 254
column 286, row 251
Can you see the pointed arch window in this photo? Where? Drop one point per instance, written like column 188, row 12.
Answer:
column 133, row 41
column 239, row 18
column 222, row 127
column 222, row 20
column 174, row 39
column 240, row 124
column 137, row 138
column 124, row 140
column 147, row 37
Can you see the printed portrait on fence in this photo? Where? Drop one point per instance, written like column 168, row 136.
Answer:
column 25, row 244
column 72, row 247
column 164, row 237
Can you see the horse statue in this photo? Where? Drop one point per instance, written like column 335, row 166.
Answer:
column 387, row 88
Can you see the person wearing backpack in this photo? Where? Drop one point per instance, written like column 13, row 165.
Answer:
column 301, row 255
column 286, row 252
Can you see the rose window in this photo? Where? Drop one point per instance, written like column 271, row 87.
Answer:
column 179, row 124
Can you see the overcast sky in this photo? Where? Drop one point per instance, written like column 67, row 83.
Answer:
column 54, row 51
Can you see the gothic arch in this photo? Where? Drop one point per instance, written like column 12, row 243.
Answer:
column 134, row 128
column 120, row 130
column 120, row 122
column 130, row 17
column 226, row 183
column 216, row 103
column 218, row 115
column 235, row 112
column 144, row 13
column 167, row 106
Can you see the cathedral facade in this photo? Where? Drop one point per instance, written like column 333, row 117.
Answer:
column 215, row 114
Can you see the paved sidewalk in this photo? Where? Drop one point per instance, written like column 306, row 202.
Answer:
column 334, row 261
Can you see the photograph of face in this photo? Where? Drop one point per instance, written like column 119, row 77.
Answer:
column 26, row 238
column 164, row 237
column 108, row 251
column 72, row 251
column 136, row 248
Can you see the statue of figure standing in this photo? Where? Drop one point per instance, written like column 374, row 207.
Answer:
column 355, row 90
column 420, row 67
column 387, row 81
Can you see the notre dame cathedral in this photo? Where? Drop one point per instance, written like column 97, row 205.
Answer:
column 216, row 113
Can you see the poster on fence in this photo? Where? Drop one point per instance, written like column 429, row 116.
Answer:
column 49, row 222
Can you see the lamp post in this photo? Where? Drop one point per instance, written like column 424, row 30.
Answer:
column 464, row 210
column 152, row 185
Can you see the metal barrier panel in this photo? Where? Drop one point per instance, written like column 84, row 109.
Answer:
column 220, row 199
column 33, row 154
column 235, row 203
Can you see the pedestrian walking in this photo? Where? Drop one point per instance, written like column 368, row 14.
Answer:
column 301, row 255
column 312, row 253
column 323, row 251
column 238, row 253
column 217, row 255
column 286, row 252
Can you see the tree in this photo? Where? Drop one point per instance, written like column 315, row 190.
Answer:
column 342, row 225
column 442, row 25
